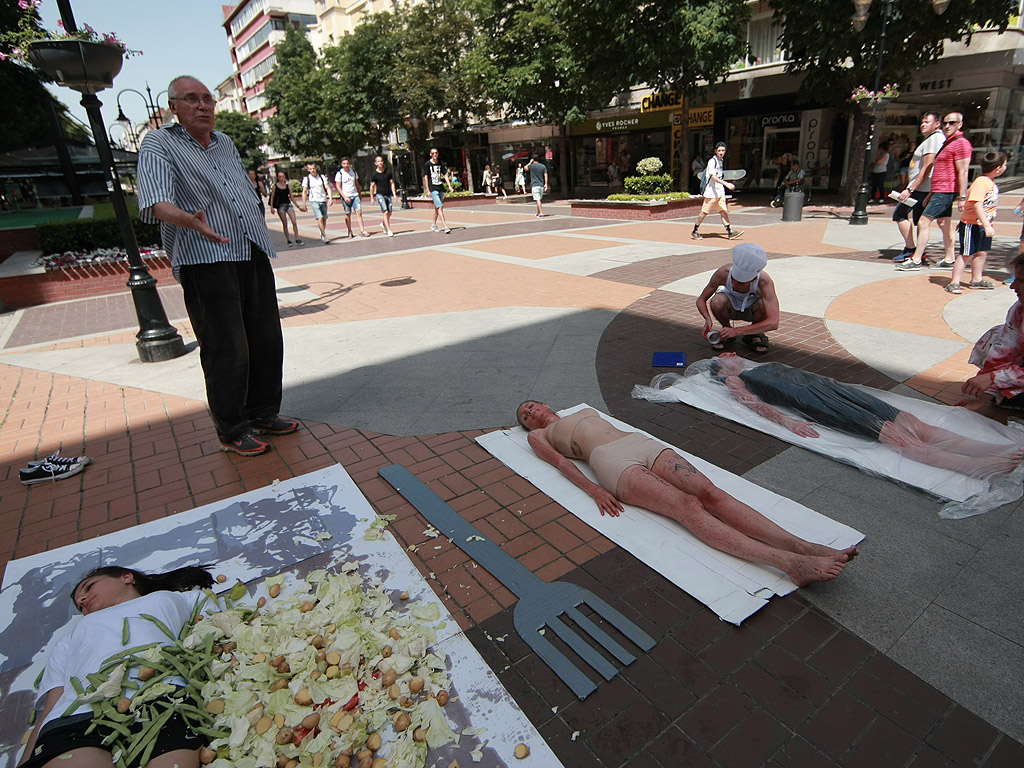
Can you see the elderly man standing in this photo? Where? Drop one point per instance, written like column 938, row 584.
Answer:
column 741, row 290
column 191, row 179
column 949, row 183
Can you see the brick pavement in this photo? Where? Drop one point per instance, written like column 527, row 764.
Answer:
column 789, row 688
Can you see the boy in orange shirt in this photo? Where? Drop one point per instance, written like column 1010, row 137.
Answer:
column 975, row 228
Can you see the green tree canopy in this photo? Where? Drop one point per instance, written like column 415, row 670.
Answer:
column 247, row 135
column 295, row 91
column 834, row 58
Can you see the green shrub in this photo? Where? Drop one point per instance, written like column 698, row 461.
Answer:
column 648, row 185
column 86, row 234
column 645, row 198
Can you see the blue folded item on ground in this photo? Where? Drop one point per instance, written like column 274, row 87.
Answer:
column 669, row 360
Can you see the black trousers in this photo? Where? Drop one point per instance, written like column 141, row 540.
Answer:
column 233, row 309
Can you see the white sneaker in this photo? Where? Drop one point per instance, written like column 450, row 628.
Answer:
column 433, row 228
column 323, row 238
column 447, row 230
column 390, row 233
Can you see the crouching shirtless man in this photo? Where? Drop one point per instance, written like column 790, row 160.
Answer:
column 635, row 469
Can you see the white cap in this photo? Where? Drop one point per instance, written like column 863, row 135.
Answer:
column 747, row 260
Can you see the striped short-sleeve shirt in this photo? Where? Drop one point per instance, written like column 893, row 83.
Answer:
column 177, row 169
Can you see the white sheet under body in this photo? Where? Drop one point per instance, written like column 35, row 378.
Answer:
column 731, row 587
column 869, row 455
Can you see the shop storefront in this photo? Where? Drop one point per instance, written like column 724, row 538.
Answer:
column 512, row 146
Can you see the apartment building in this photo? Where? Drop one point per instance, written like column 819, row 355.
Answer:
column 254, row 28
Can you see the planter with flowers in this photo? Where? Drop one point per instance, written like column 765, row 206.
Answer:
column 84, row 60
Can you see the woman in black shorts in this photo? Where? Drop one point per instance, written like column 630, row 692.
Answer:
column 111, row 598
column 281, row 201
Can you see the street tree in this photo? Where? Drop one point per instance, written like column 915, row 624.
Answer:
column 528, row 70
column 295, row 92
column 686, row 46
column 834, row 58
column 246, row 133
column 437, row 83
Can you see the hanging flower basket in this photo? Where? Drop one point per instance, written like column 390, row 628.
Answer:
column 82, row 65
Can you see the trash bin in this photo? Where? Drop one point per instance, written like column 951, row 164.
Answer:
column 792, row 206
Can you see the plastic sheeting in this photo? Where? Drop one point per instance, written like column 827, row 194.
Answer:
column 949, row 452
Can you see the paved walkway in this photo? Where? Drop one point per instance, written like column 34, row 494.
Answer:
column 404, row 349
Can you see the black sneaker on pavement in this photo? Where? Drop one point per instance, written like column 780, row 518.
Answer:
column 246, row 444
column 274, row 426
column 696, row 235
column 48, row 473
column 56, row 458
column 735, row 233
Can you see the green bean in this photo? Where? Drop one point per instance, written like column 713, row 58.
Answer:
column 146, row 740
column 39, row 677
column 77, row 685
column 213, row 733
column 32, row 717
column 125, row 632
column 109, row 711
column 159, row 625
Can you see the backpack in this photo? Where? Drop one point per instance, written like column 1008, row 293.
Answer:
column 703, row 180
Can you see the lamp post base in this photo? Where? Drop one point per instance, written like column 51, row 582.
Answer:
column 860, row 207
column 157, row 351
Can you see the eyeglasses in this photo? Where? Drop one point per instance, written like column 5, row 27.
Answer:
column 192, row 100
column 951, row 122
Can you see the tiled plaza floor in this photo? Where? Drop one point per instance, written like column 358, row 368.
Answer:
column 791, row 687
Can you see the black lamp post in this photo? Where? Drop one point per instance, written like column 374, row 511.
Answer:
column 859, row 20
column 157, row 339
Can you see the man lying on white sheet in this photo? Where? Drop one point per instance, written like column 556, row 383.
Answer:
column 637, row 470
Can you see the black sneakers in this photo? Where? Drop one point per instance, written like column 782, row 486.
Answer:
column 50, row 472
column 246, row 444
column 275, row 425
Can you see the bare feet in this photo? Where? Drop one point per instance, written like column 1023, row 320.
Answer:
column 820, row 550
column 806, row 569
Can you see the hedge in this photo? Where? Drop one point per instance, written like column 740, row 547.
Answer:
column 86, row 234
column 648, row 185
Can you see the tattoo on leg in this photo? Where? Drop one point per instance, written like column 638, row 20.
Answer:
column 682, row 465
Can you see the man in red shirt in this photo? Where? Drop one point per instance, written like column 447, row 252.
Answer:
column 949, row 182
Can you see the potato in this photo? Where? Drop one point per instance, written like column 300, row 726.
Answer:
column 402, row 722
column 416, row 684
column 207, row 755
column 318, row 758
column 277, row 661
column 394, row 691
column 342, row 721
column 145, row 673
column 380, row 762
column 419, row 735
column 406, row 702
column 279, row 720
column 342, row 761
column 278, row 684
column 123, row 704
column 314, row 674
column 261, row 602
column 366, row 763
column 285, row 736
column 263, row 724
column 394, row 634
column 363, row 755
column 309, row 722
column 404, row 596
column 442, row 698
column 317, row 641
column 215, row 707
column 333, row 658
column 221, row 578
column 308, row 606
column 386, row 651
column 259, row 658
column 302, row 697
column 284, row 668
column 332, row 672
column 373, row 742
column 229, row 647
column 388, row 678
column 275, row 590
column 522, row 751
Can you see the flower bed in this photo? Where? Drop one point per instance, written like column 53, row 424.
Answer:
column 651, row 210
column 78, row 275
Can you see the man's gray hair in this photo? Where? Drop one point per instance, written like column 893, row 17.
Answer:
column 172, row 88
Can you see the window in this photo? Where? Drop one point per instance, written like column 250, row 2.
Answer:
column 252, row 76
column 764, row 41
column 246, row 49
column 247, row 14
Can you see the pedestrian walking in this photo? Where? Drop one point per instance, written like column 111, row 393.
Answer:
column 346, row 181
column 714, row 194
column 383, row 190
column 316, row 189
column 281, row 203
column 435, row 179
